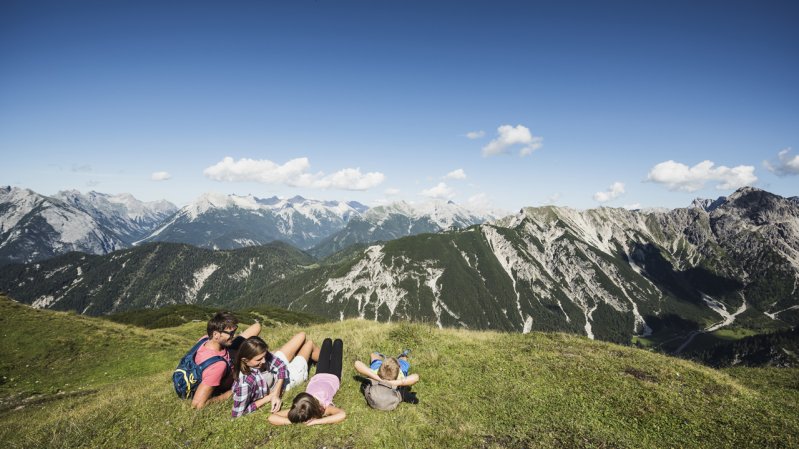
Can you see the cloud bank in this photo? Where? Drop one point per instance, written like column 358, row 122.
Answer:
column 475, row 134
column 787, row 165
column 677, row 176
column 293, row 173
column 614, row 191
column 510, row 136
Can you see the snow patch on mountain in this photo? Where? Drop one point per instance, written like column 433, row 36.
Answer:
column 19, row 202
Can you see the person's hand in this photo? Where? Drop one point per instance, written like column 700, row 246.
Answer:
column 311, row 422
column 276, row 404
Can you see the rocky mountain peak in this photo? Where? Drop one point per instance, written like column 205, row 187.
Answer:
column 708, row 204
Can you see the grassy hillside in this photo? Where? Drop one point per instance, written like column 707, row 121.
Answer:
column 72, row 381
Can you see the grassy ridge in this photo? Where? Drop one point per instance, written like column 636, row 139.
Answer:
column 176, row 315
column 478, row 389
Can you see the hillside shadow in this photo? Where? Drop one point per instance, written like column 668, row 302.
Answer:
column 687, row 285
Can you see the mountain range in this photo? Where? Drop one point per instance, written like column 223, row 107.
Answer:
column 606, row 273
column 35, row 227
column 669, row 279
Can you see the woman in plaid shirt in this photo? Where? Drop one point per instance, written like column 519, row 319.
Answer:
column 261, row 377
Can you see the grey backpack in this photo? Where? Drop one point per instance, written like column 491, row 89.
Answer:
column 380, row 396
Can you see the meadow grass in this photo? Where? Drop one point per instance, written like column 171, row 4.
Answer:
column 477, row 389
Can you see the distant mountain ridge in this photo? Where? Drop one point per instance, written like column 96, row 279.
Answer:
column 217, row 221
column 400, row 219
column 35, row 227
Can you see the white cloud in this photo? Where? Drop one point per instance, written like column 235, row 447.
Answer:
column 633, row 206
column 475, row 134
column 553, row 199
column 677, row 176
column 263, row 171
column 456, row 174
column 614, row 191
column 787, row 165
column 347, row 179
column 441, row 191
column 392, row 192
column 293, row 173
column 509, row 136
column 160, row 176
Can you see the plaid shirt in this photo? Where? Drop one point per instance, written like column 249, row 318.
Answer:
column 250, row 387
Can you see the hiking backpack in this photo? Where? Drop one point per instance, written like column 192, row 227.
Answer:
column 381, row 396
column 188, row 374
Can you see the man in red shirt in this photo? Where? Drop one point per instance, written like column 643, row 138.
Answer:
column 218, row 378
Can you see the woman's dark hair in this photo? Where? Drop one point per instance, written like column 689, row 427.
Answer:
column 251, row 348
column 220, row 321
column 305, row 407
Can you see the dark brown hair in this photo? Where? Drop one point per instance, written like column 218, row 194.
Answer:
column 249, row 349
column 305, row 407
column 220, row 321
column 389, row 369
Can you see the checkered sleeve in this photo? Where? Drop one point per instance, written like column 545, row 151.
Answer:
column 242, row 402
column 279, row 368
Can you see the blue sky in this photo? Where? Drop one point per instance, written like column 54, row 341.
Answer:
column 577, row 104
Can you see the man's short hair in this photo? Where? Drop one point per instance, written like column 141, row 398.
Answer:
column 220, row 322
column 389, row 369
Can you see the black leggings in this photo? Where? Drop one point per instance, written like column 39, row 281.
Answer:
column 331, row 357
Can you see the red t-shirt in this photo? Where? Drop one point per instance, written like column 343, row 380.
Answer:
column 212, row 375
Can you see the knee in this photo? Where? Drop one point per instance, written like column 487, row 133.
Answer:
column 300, row 335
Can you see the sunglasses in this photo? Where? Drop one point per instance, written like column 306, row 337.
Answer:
column 230, row 333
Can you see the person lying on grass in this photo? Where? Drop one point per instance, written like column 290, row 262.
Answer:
column 315, row 405
column 391, row 370
column 262, row 377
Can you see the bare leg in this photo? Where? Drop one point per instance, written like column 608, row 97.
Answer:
column 315, row 352
column 307, row 351
column 293, row 346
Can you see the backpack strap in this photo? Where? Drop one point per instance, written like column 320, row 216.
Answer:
column 382, row 384
column 210, row 360
column 196, row 347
